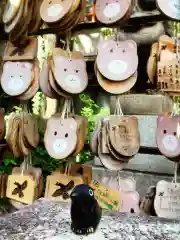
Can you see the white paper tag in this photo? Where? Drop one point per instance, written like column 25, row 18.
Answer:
column 112, row 10
column 55, row 10
column 15, row 84
column 73, row 81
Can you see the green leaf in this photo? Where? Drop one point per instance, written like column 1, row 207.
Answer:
column 9, row 161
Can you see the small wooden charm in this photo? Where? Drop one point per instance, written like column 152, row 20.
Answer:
column 21, row 188
column 81, row 170
column 60, row 186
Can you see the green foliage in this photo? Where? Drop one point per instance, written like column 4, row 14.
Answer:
column 90, row 110
column 37, row 103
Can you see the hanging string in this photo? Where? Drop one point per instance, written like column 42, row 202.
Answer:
column 175, row 173
column 24, row 165
column 118, row 110
column 68, row 39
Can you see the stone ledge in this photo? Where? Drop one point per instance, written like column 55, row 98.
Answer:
column 46, row 220
column 143, row 104
column 147, row 163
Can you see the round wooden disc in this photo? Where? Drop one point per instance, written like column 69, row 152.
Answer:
column 55, row 10
column 170, row 8
column 109, row 12
column 113, row 86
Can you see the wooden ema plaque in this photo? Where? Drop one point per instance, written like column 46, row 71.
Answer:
column 81, row 170
column 167, row 200
column 60, row 186
column 106, row 197
column 21, row 188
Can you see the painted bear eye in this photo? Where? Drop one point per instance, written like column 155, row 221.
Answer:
column 77, row 71
column 165, row 131
column 66, row 135
column 91, row 192
column 174, row 133
column 124, row 51
column 111, row 50
column 55, row 133
column 132, row 210
column 65, row 69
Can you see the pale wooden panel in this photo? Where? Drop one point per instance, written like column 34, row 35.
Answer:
column 142, row 104
column 147, row 163
column 147, row 130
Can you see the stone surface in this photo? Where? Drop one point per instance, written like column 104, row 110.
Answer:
column 147, row 163
column 142, row 104
column 44, row 220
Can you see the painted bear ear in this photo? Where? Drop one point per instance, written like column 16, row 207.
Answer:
column 160, row 118
column 59, row 59
column 72, row 124
column 80, row 62
column 105, row 44
column 132, row 44
column 26, row 65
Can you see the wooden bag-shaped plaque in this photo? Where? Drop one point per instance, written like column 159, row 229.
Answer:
column 21, row 188
column 167, row 199
column 60, row 186
column 124, row 135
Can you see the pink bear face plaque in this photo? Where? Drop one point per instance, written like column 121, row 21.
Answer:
column 70, row 74
column 110, row 11
column 117, row 61
column 54, row 10
column 167, row 200
column 60, row 138
column 167, row 138
column 16, row 77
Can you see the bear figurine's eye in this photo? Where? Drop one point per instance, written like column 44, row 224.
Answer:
column 174, row 133
column 111, row 50
column 164, row 131
column 66, row 135
column 91, row 192
column 77, row 71
column 55, row 133
column 123, row 50
column 65, row 69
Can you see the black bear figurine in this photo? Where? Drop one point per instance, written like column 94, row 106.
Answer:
column 85, row 210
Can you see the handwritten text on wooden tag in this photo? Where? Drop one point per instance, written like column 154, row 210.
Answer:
column 106, row 197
